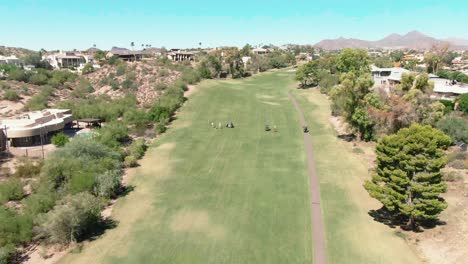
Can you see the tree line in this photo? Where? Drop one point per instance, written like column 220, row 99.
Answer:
column 412, row 130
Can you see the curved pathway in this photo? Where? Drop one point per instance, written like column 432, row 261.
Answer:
column 318, row 229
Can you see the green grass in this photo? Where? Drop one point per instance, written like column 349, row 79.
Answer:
column 204, row 195
column 352, row 235
column 241, row 195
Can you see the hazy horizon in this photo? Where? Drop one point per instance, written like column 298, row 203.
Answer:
column 183, row 24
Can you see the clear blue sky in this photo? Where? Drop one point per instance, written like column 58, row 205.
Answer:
column 68, row 24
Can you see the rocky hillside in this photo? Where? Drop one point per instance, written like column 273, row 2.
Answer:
column 18, row 52
column 144, row 78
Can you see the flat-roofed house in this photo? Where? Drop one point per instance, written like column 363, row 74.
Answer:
column 179, row 55
column 125, row 54
column 447, row 89
column 259, row 51
column 35, row 128
column 12, row 60
column 387, row 77
column 65, row 59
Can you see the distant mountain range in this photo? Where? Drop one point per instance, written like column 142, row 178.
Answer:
column 411, row 40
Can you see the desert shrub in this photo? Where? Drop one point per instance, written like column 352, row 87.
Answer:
column 83, row 88
column 457, row 155
column 121, row 69
column 11, row 95
column 449, row 106
column 27, row 168
column 11, row 190
column 190, row 76
column 158, row 113
column 137, row 148
column 160, row 86
column 463, row 103
column 60, row 139
column 74, row 167
column 88, row 68
column 452, row 176
column 128, row 84
column 136, row 117
column 4, row 85
column 130, row 76
column 40, row 201
column 18, row 75
column 161, row 127
column 113, row 134
column 114, row 60
column 204, row 72
column 130, row 161
column 24, row 89
column 71, row 219
column 59, row 78
column 455, row 126
column 14, row 229
column 47, row 90
column 37, row 102
column 102, row 107
column 38, row 79
column 114, row 84
column 458, row 164
column 163, row 73
column 107, row 184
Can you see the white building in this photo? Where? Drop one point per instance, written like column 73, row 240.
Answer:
column 387, row 77
column 34, row 128
column 70, row 60
column 12, row 60
column 259, row 51
column 447, row 89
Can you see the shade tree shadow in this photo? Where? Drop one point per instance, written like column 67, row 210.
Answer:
column 388, row 218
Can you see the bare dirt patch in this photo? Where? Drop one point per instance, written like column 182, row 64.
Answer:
column 446, row 244
column 191, row 89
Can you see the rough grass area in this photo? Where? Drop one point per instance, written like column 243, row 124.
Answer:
column 205, row 195
column 352, row 234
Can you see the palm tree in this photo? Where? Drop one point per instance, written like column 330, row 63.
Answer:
column 133, row 45
column 199, row 44
column 94, row 45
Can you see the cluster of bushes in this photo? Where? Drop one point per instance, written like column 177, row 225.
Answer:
column 40, row 100
column 456, row 126
column 453, row 75
column 102, row 107
column 74, row 184
column 135, row 152
column 11, row 95
column 56, row 79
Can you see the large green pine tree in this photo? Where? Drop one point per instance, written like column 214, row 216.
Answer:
column 408, row 180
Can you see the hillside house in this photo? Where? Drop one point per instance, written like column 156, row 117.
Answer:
column 11, row 60
column 125, row 54
column 179, row 55
column 67, row 59
column 387, row 77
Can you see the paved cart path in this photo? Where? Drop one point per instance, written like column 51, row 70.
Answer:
column 318, row 229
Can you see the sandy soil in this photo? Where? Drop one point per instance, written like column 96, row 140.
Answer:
column 447, row 244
